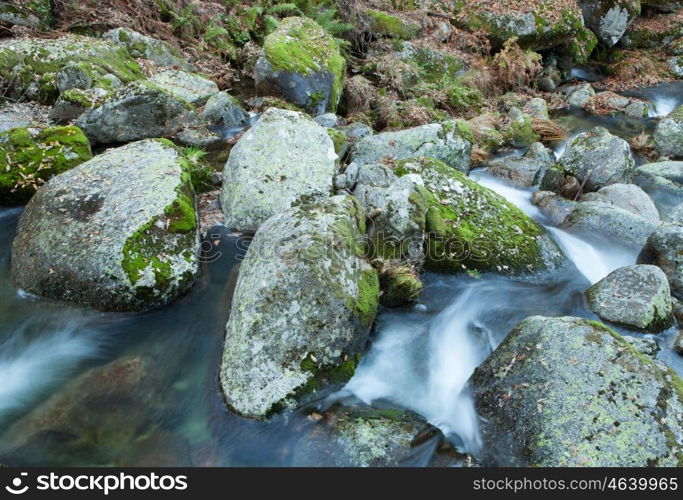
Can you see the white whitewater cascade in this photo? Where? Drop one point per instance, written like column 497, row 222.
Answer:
column 422, row 362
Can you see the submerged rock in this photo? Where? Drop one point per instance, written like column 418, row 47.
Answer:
column 39, row 69
column 571, row 392
column 139, row 111
column 634, row 296
column 284, row 159
column 441, row 141
column 525, row 170
column 470, row 226
column 31, row 156
column 301, row 63
column 142, row 46
column 302, row 309
column 609, row 19
column 664, row 249
column 117, row 233
column 369, row 437
column 598, row 158
column 186, row 87
column 98, row 416
column 669, row 134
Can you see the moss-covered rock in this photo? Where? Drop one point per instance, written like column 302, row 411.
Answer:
column 186, row 87
column 396, row 208
column 118, row 232
column 577, row 50
column 538, row 25
column 566, row 391
column 284, row 159
column 140, row 110
column 442, row 141
column 142, row 46
column 302, row 64
column 383, row 24
column 471, row 227
column 302, row 309
column 520, row 133
column 598, row 158
column 31, row 156
column 72, row 103
column 400, row 286
column 38, row 69
column 634, row 296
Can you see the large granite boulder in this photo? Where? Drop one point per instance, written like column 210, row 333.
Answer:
column 598, row 158
column 566, row 391
column 302, row 310
column 139, row 111
column 664, row 177
column 224, row 111
column 301, row 63
column 634, row 296
column 117, row 233
column 440, row 141
column 284, row 159
column 525, row 170
column 31, row 156
column 471, row 227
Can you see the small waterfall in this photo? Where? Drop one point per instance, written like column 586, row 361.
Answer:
column 38, row 356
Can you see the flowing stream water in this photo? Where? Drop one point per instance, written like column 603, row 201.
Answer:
column 420, row 357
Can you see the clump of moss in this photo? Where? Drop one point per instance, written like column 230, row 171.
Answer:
column 340, row 141
column 386, row 25
column 32, row 157
column 400, row 285
column 520, row 133
column 477, row 229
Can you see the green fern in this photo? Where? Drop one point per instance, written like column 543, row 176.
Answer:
column 284, row 10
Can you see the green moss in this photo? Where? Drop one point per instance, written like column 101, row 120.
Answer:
column 520, row 133
column 78, row 97
column 581, row 46
column 27, row 161
column 386, row 25
column 147, row 248
column 478, row 229
column 300, row 45
column 399, row 286
column 33, row 63
column 339, row 139
column 368, row 297
column 465, row 131
column 276, row 102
